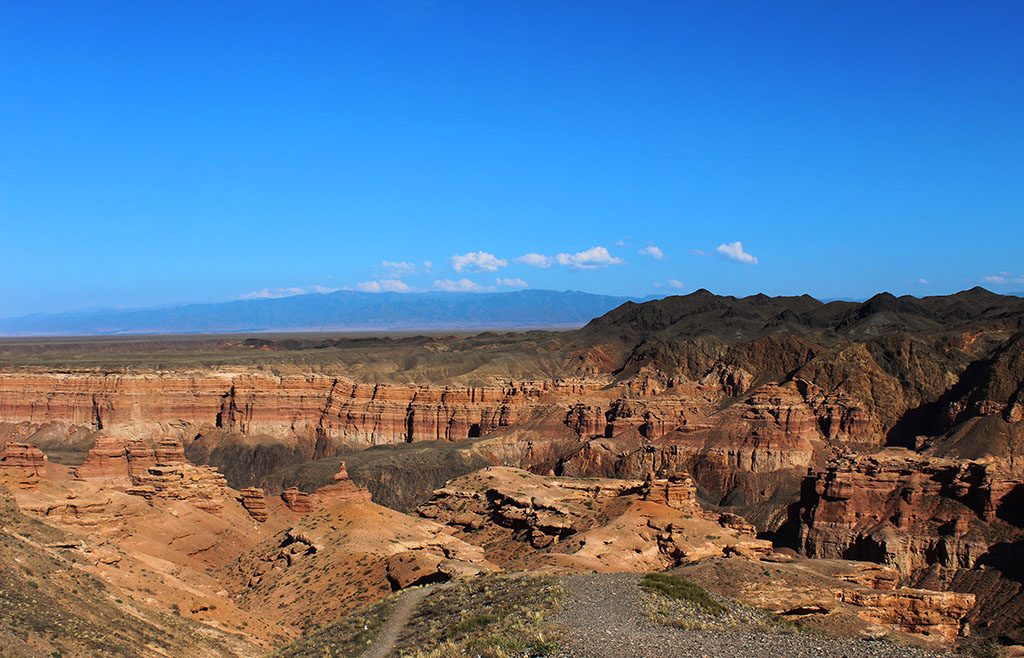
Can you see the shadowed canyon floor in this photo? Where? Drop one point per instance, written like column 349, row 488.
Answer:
column 851, row 466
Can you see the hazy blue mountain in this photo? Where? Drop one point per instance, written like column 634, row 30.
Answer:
column 342, row 310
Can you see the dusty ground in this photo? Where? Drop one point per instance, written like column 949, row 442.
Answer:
column 610, row 616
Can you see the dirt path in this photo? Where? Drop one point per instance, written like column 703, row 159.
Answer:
column 393, row 627
column 604, row 616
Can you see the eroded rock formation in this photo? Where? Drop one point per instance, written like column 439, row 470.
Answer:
column 347, row 554
column 568, row 523
column 22, row 459
column 341, row 489
column 907, row 510
column 297, row 501
column 203, row 487
column 254, row 502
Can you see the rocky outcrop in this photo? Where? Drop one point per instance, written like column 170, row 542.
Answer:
column 745, row 455
column 585, row 524
column 932, row 614
column 21, row 465
column 297, row 501
column 941, row 523
column 345, row 556
column 342, row 489
column 201, row 486
column 848, row 594
column 906, row 510
column 254, row 502
column 116, row 457
column 22, row 460
column 676, row 491
column 168, row 451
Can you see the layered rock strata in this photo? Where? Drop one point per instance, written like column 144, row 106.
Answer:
column 908, row 511
column 580, row 524
column 821, row 592
column 254, row 502
column 297, row 501
column 201, row 486
column 312, row 407
column 22, row 460
column 341, row 489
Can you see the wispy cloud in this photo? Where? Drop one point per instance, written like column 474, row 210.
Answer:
column 670, row 283
column 923, row 281
column 383, row 285
column 513, row 283
column 590, row 259
column 276, row 293
column 734, row 251
column 1003, row 278
column 477, row 261
column 534, row 260
column 460, row 285
column 653, row 251
column 698, row 252
column 399, row 268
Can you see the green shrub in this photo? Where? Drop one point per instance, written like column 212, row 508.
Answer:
column 680, row 589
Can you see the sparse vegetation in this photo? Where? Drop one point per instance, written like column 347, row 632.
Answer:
column 349, row 636
column 681, row 589
column 987, row 648
column 682, row 603
column 491, row 616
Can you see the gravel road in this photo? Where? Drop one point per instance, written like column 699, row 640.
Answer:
column 604, row 616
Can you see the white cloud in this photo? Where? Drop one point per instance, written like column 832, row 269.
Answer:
column 427, row 265
column 399, row 268
column 383, row 285
column 734, row 251
column 277, row 293
column 1003, row 278
column 669, row 283
column 478, row 261
column 653, row 251
column 462, row 285
column 534, row 260
column 923, row 281
column 698, row 252
column 590, row 259
column 513, row 283
column 272, row 293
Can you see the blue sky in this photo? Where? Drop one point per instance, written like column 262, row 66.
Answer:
column 158, row 152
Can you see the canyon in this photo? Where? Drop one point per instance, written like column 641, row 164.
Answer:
column 864, row 454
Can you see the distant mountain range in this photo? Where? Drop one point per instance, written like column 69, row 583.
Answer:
column 342, row 310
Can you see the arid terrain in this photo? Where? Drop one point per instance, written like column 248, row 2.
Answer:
column 807, row 478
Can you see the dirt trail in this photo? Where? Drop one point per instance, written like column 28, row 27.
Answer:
column 393, row 627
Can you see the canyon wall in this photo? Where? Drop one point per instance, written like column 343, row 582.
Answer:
column 738, row 440
column 951, row 524
column 313, row 407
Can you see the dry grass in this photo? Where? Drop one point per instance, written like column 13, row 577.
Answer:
column 680, row 589
column 494, row 616
column 349, row 636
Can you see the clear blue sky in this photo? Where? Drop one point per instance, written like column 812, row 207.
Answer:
column 158, row 152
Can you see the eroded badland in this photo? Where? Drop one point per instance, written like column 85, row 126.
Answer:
column 850, row 467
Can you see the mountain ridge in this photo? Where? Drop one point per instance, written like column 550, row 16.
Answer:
column 339, row 310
